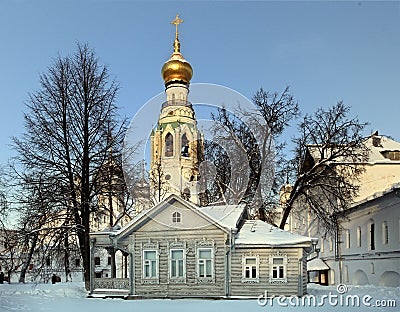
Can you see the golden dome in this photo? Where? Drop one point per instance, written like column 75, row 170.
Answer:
column 176, row 68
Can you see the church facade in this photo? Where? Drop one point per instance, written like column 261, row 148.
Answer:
column 177, row 249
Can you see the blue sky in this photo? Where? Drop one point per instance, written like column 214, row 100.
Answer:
column 325, row 51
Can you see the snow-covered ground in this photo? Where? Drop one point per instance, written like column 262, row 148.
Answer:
column 67, row 297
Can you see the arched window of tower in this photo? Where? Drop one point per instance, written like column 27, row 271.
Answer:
column 184, row 146
column 169, row 145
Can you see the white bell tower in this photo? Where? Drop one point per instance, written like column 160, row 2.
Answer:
column 176, row 143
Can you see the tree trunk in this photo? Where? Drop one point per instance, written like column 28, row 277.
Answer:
column 66, row 258
column 28, row 259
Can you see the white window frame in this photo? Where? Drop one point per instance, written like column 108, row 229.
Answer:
column 174, row 262
column 371, row 235
column 347, row 238
column 203, row 262
column 273, row 267
column 248, row 268
column 150, row 263
column 346, row 274
column 385, row 233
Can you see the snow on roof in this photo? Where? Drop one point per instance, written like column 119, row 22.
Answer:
column 379, row 144
column 317, row 264
column 226, row 215
column 257, row 232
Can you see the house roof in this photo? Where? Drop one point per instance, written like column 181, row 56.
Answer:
column 224, row 216
column 228, row 216
column 257, row 232
column 317, row 264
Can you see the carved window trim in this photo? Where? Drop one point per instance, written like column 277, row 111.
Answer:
column 203, row 246
column 245, row 268
column 273, row 267
column 172, row 246
column 150, row 247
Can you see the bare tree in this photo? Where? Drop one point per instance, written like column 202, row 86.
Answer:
column 67, row 135
column 43, row 222
column 253, row 135
column 158, row 183
column 329, row 153
column 325, row 168
column 113, row 198
column 9, row 238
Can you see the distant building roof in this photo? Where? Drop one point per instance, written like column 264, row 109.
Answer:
column 379, row 147
column 317, row 264
column 381, row 150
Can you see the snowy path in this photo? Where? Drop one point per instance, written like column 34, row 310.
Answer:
column 67, row 297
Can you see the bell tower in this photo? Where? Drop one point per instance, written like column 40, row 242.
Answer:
column 176, row 143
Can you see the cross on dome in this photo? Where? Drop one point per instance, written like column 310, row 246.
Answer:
column 177, row 21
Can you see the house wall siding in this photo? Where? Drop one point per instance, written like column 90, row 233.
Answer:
column 240, row 288
column 191, row 239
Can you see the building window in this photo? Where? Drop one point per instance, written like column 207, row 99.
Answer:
column 250, row 269
column 278, row 269
column 347, row 238
column 359, row 236
column 371, row 235
column 176, row 217
column 109, row 261
column 392, row 155
column 48, row 261
column 372, row 268
column 77, row 262
column 169, row 145
column 205, row 262
column 184, row 146
column 277, row 274
column 331, row 277
column 346, row 274
column 330, row 244
column 150, row 268
column 97, row 260
column 177, row 263
column 385, row 233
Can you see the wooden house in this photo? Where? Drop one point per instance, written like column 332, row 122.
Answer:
column 179, row 250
